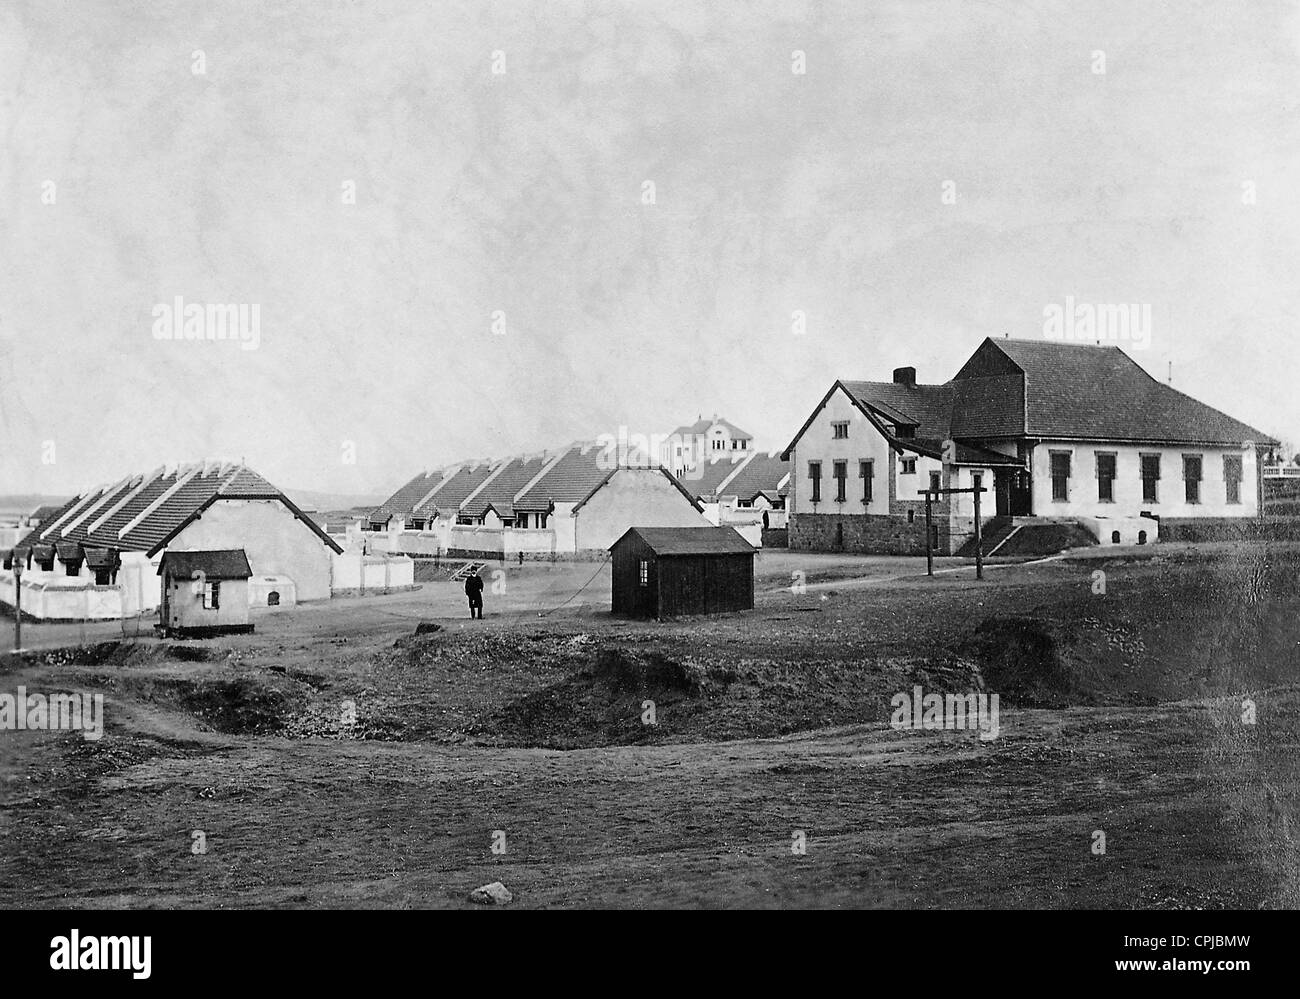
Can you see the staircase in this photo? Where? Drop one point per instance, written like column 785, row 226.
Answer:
column 993, row 534
column 467, row 570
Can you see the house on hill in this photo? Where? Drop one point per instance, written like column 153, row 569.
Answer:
column 704, row 440
column 1053, row 430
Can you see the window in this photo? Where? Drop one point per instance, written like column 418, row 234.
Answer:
column 1150, row 477
column 744, row 445
column 841, row 473
column 645, row 573
column 867, row 472
column 718, row 444
column 911, row 515
column 735, row 445
column 1192, row 478
column 909, row 466
column 1232, row 477
column 815, row 473
column 102, row 577
column 212, row 595
column 1105, row 477
column 936, row 482
column 1060, row 466
column 840, row 430
column 977, row 479
column 273, row 599
column 72, row 568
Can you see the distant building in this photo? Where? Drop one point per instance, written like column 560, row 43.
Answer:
column 204, row 593
column 568, row 503
column 669, row 572
column 704, row 440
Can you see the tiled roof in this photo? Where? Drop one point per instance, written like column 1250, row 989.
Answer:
column 142, row 512
column 691, row 540
column 763, row 472
column 925, row 407
column 499, row 492
column 402, row 502
column 223, row 563
column 1099, row 392
column 459, row 486
column 705, row 478
column 1045, row 389
column 571, row 479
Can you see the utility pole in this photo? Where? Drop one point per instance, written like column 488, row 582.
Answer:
column 18, row 603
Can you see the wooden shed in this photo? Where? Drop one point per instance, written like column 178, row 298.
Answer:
column 204, row 593
column 673, row 571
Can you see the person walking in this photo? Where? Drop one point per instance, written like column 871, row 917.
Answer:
column 474, row 590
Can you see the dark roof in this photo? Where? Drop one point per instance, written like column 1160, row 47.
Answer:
column 227, row 563
column 499, row 492
column 1041, row 389
column 762, row 473
column 144, row 512
column 102, row 558
column 458, row 486
column 705, row 478
column 401, row 502
column 1099, row 392
column 690, row 540
column 579, row 472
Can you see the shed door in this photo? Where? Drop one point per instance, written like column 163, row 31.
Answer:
column 688, row 592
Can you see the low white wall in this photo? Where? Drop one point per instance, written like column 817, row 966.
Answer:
column 1104, row 528
column 46, row 596
column 353, row 571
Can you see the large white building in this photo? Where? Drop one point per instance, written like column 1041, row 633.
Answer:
column 1052, row 430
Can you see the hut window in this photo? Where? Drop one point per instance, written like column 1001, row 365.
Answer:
column 212, row 595
column 1232, row 477
column 1192, row 477
column 645, row 573
column 102, row 577
column 1114, row 537
column 273, row 599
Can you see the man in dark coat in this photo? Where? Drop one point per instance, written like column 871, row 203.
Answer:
column 474, row 590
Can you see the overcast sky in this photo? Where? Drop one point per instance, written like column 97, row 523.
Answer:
column 128, row 179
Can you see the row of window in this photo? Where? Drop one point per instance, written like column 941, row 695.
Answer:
column 1106, row 461
column 866, row 472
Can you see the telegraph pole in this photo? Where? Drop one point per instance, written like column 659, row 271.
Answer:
column 18, row 603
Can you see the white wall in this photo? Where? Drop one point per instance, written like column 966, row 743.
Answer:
column 633, row 498
column 1128, row 482
column 864, row 443
column 276, row 543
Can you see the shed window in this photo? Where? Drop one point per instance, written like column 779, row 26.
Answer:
column 645, row 573
column 212, row 595
column 273, row 599
column 102, row 577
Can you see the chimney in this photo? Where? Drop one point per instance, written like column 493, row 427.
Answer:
column 905, row 376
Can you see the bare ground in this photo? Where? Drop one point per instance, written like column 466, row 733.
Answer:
column 1120, row 714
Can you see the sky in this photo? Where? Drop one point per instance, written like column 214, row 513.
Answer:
column 477, row 229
